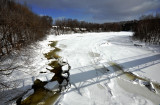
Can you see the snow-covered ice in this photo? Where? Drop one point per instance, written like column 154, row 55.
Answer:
column 51, row 85
column 88, row 55
column 95, row 48
column 29, row 93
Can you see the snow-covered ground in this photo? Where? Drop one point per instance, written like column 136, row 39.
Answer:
column 98, row 48
column 89, row 54
column 91, row 83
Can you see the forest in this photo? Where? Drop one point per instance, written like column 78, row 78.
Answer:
column 148, row 29
column 19, row 26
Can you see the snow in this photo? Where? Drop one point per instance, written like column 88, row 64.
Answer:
column 51, row 85
column 94, row 48
column 29, row 93
column 88, row 55
column 65, row 67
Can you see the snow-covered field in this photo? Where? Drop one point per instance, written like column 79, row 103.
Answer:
column 97, row 48
column 91, row 83
column 89, row 54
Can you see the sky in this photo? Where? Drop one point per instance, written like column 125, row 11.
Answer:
column 97, row 11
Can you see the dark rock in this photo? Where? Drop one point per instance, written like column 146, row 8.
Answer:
column 38, row 84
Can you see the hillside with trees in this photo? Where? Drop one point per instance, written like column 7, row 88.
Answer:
column 19, row 26
column 148, row 29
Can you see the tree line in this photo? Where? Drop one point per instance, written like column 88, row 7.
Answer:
column 19, row 26
column 64, row 25
column 146, row 29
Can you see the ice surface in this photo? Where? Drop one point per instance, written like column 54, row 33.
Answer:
column 30, row 92
column 88, row 55
column 51, row 85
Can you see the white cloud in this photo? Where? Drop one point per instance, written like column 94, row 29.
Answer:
column 103, row 9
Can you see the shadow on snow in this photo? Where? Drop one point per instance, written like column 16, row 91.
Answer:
column 90, row 75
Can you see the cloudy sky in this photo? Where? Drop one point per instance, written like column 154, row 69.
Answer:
column 94, row 10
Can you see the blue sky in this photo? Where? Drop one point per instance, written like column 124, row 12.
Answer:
column 60, row 13
column 97, row 11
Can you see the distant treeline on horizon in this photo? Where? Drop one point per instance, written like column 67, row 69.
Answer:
column 146, row 29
